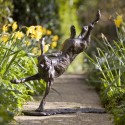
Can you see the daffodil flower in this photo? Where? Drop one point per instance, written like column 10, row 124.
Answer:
column 19, row 34
column 30, row 30
column 118, row 21
column 55, row 38
column 54, row 44
column 48, row 32
column 46, row 47
column 14, row 26
column 28, row 43
column 39, row 28
column 35, row 32
column 5, row 37
column 34, row 50
column 38, row 35
column 44, row 31
column 5, row 28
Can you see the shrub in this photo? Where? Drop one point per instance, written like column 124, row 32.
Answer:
column 6, row 10
column 109, row 71
column 36, row 12
column 19, row 47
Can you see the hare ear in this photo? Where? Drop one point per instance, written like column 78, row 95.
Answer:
column 83, row 31
column 72, row 31
column 88, row 33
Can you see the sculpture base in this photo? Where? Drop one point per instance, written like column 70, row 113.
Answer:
column 49, row 112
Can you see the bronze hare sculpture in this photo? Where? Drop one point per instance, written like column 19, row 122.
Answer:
column 53, row 65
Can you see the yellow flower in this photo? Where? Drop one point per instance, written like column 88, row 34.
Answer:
column 46, row 48
column 37, row 35
column 44, row 30
column 48, row 32
column 54, row 44
column 34, row 50
column 39, row 28
column 30, row 30
column 119, row 17
column 55, row 38
column 118, row 21
column 28, row 43
column 14, row 26
column 39, row 52
column 19, row 35
column 5, row 28
column 35, row 32
column 5, row 37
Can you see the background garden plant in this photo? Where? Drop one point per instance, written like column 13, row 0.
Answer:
column 19, row 47
column 108, row 72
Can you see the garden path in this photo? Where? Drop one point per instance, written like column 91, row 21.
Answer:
column 74, row 93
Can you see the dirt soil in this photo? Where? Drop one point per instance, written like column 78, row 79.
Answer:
column 71, row 92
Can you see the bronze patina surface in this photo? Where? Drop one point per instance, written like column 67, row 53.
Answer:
column 51, row 66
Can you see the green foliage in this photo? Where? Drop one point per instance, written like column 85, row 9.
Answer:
column 12, row 96
column 16, row 61
column 6, row 10
column 67, row 16
column 108, row 74
column 5, row 116
column 34, row 12
column 85, row 11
